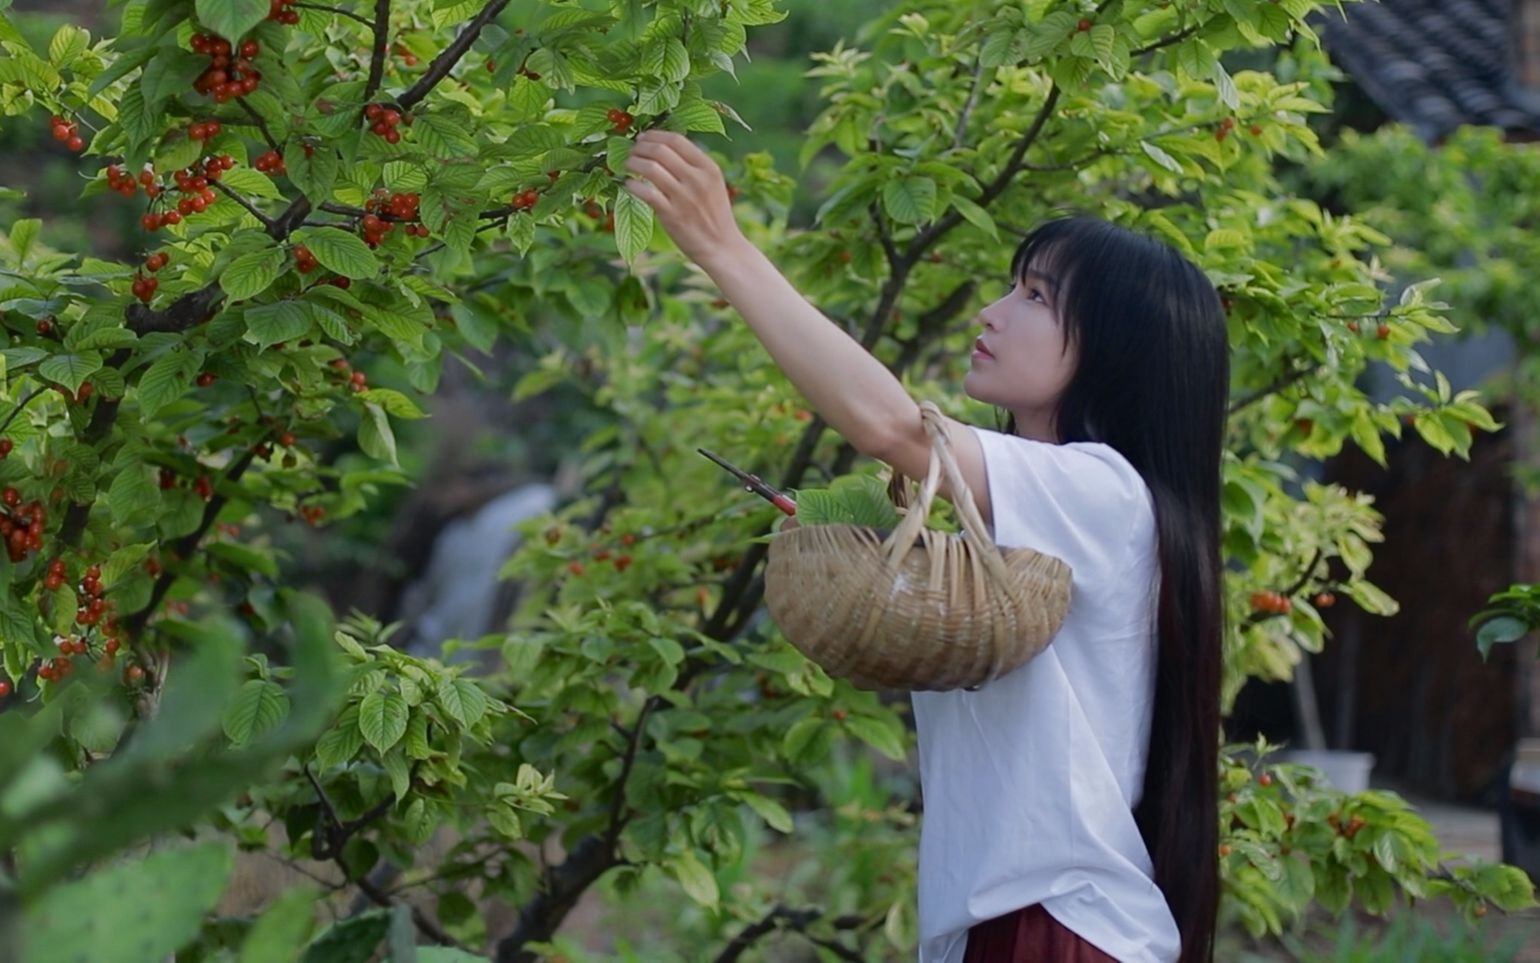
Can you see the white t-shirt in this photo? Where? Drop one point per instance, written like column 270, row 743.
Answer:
column 1029, row 783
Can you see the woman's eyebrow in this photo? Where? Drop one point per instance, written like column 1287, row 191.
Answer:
column 1045, row 279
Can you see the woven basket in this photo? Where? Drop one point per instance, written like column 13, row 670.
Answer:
column 918, row 609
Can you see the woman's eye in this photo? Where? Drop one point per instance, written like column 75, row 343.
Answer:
column 1035, row 293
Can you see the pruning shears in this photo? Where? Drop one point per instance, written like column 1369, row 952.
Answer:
column 755, row 484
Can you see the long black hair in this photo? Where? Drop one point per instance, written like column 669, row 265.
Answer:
column 1152, row 381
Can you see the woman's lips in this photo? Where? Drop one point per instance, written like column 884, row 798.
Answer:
column 980, row 351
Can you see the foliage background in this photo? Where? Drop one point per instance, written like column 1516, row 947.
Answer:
column 646, row 733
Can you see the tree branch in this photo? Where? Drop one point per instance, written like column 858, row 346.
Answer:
column 20, row 405
column 967, row 110
column 257, row 119
column 381, row 41
column 1276, row 386
column 184, row 546
column 450, row 55
column 267, row 222
column 797, row 920
column 560, row 889
column 1177, row 37
column 337, row 10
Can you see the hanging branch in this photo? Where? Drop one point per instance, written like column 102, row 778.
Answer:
column 450, row 55
column 381, row 41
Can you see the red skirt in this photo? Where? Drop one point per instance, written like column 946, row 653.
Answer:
column 1029, row 935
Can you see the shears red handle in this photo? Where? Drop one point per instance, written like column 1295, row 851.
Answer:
column 755, row 484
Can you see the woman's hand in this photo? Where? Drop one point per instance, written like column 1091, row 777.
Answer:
column 686, row 189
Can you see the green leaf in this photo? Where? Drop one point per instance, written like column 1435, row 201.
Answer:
column 68, row 43
column 633, row 225
column 394, row 402
column 139, row 910
column 353, row 940
column 665, row 58
column 399, row 771
column 259, row 705
column 697, row 880
column 1225, row 86
column 1160, row 157
column 463, row 700
column 231, row 19
column 339, row 251
column 270, row 324
column 133, row 495
column 976, row 215
column 443, row 136
column 280, row 932
column 1503, row 628
column 885, row 737
column 251, row 182
column 341, row 742
column 166, row 379
column 315, row 172
column 375, row 436
column 70, row 370
column 23, row 233
column 251, row 274
column 382, row 718
column 910, row 200
column 772, row 812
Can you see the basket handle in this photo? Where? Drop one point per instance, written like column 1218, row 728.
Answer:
column 942, row 459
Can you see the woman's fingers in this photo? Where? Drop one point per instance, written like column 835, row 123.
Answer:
column 648, row 192
column 656, row 172
column 688, row 152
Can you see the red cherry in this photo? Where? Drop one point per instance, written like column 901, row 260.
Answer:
column 1083, row 26
column 5, row 447
column 171, row 217
column 5, row 688
column 1382, row 332
column 250, row 49
column 150, row 222
column 205, row 379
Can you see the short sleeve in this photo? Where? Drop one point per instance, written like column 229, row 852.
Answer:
column 1081, row 501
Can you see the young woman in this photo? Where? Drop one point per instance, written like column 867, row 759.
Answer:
column 1071, row 809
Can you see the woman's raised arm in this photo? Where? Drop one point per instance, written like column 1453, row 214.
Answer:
column 851, row 389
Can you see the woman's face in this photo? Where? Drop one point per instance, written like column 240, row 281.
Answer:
column 1021, row 361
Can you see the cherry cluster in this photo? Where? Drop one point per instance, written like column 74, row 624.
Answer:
column 357, row 380
column 524, row 200
column 23, row 530
column 408, row 58
column 1271, row 603
column 620, row 120
column 96, row 607
column 123, row 182
column 398, row 207
column 64, row 132
column 280, row 11
column 384, row 120
column 270, row 163
column 230, row 72
column 204, row 131
column 144, row 288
